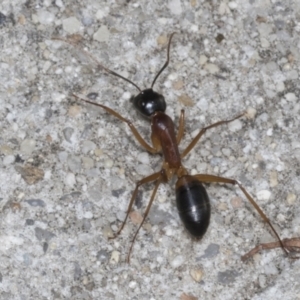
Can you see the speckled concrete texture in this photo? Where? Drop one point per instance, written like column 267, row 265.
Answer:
column 68, row 169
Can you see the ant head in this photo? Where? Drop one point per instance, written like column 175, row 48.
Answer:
column 147, row 102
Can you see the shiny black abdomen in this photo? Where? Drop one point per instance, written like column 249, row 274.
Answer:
column 193, row 205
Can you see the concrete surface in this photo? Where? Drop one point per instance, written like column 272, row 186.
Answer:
column 68, row 169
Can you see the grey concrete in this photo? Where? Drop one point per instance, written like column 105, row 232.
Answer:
column 68, row 169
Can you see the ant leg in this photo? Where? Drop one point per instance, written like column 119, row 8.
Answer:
column 158, row 182
column 147, row 179
column 142, row 142
column 292, row 245
column 180, row 128
column 202, row 131
column 217, row 179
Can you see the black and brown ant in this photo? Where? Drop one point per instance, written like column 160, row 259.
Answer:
column 191, row 197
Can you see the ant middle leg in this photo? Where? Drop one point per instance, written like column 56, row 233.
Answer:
column 202, row 131
column 145, row 180
column 136, row 134
column 217, row 179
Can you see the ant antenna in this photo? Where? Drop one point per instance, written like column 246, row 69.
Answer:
column 166, row 63
column 99, row 65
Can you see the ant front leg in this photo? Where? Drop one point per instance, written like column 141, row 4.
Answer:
column 217, row 179
column 202, row 131
column 136, row 134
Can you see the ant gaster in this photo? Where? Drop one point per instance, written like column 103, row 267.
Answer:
column 191, row 197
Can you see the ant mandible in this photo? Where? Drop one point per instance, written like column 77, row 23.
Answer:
column 191, row 197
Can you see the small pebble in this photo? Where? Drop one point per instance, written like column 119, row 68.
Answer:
column 162, row 40
column 291, row 198
column 30, row 174
column 264, row 43
column 87, row 163
column 223, row 8
column 135, row 217
column 280, row 217
column 203, row 59
column 74, row 110
column 212, row 68
column 59, row 3
column 212, row 250
column 102, row 35
column 115, row 257
column 270, row 269
column 43, row 234
column 236, row 202
column 36, row 202
column 226, row 151
column 71, row 25
column 58, row 97
column 263, row 195
column 178, row 85
column 280, row 87
column 63, row 156
column 186, row 100
column 250, row 113
column 8, row 160
column 227, row 277
column 235, row 125
column 232, row 5
column 143, row 157
column 177, row 261
column 101, row 13
column 45, row 17
column 88, row 146
column 70, row 180
column 262, row 281
column 88, row 215
column 93, row 96
column 196, row 274
column 222, row 206
column 102, row 255
column 143, row 169
column 28, row 146
column 98, row 152
column 202, row 104
column 6, row 150
column 290, row 97
column 273, row 179
column 74, row 163
column 108, row 163
column 68, row 132
column 175, row 7
column 132, row 284
column 29, row 222
column 193, row 3
column 270, row 132
column 185, row 296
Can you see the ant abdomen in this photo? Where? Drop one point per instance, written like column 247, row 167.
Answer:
column 193, row 205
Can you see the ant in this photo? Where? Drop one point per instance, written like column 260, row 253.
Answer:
column 191, row 197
